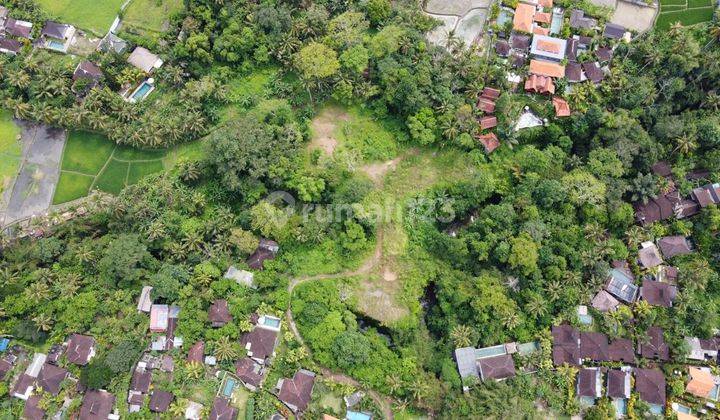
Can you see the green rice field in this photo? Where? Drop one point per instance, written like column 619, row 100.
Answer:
column 10, row 150
column 687, row 12
column 150, row 15
column 92, row 15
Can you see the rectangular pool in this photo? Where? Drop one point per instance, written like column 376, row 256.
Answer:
column 557, row 21
column 271, row 322
column 55, row 45
column 229, row 387
column 498, row 350
column 141, row 92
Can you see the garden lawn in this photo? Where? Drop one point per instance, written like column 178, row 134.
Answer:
column 92, row 15
column 151, row 15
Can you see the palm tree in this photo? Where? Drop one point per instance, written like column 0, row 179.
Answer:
column 394, row 383
column 419, row 388
column 177, row 408
column 225, row 349
column 634, row 236
column 685, row 144
column 553, row 290
column 461, row 335
column 510, row 319
column 712, row 101
column 43, row 322
column 38, row 291
column 536, row 306
column 194, row 370
column 675, row 28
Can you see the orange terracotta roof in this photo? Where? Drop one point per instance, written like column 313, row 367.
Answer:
column 539, row 84
column 523, row 19
column 547, row 68
column 488, row 122
column 539, row 30
column 543, row 17
column 546, row 3
column 550, row 46
column 562, row 109
column 701, row 383
column 489, row 141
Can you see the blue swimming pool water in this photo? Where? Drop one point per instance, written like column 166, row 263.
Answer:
column 56, row 45
column 229, row 387
column 556, row 23
column 355, row 415
column 490, row 351
column 504, row 17
column 272, row 322
column 620, row 406
column 141, row 92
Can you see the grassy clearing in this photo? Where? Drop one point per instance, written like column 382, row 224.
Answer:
column 693, row 4
column 71, row 187
column 151, row 15
column 239, row 399
column 664, row 3
column 9, row 132
column 92, row 15
column 373, row 139
column 245, row 91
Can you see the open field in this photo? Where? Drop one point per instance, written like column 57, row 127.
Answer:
column 689, row 12
column 92, row 15
column 92, row 161
column 10, row 149
column 386, row 277
column 150, row 15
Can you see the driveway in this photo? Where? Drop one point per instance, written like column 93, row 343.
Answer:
column 33, row 190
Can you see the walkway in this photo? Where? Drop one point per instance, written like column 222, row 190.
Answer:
column 385, row 403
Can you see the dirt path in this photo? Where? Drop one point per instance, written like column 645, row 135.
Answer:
column 367, row 267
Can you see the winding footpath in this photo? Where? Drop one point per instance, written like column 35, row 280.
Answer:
column 385, row 403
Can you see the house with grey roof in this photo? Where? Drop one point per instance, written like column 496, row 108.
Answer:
column 702, row 350
column 672, row 246
column 144, row 60
column 621, row 284
column 589, row 385
column 56, row 36
column 649, row 255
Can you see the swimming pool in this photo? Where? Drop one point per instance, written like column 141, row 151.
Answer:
column 55, row 45
column 229, row 387
column 557, row 21
column 498, row 350
column 141, row 92
column 504, row 17
column 620, row 406
column 356, row 415
column 270, row 321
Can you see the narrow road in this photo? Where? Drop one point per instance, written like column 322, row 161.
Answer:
column 385, row 403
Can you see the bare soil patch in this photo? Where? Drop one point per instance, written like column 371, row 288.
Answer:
column 376, row 171
column 323, row 129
